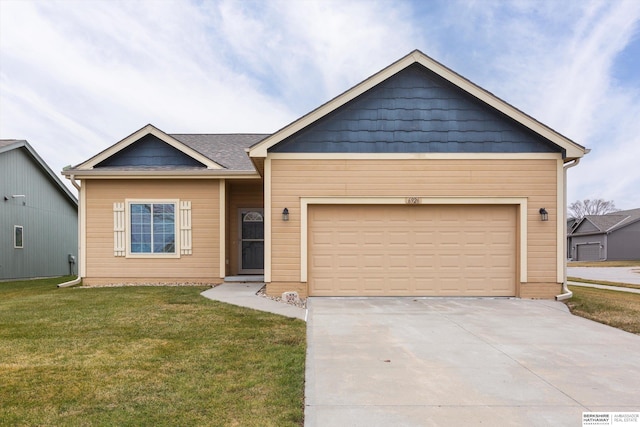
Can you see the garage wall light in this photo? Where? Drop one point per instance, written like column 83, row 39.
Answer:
column 285, row 214
column 544, row 215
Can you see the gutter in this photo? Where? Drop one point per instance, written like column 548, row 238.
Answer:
column 70, row 283
column 154, row 174
column 566, row 293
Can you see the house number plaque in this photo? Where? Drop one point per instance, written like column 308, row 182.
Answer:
column 413, row 200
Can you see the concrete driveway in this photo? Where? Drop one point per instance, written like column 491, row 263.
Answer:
column 448, row 362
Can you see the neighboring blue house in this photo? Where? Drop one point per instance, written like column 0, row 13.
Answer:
column 38, row 216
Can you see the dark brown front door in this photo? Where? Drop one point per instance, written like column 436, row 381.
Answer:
column 251, row 241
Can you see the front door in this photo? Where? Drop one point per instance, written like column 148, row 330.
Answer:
column 251, row 241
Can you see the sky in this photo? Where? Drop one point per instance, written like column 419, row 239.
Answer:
column 78, row 76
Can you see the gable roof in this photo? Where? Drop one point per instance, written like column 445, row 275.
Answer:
column 571, row 149
column 14, row 144
column 137, row 135
column 218, row 154
column 609, row 222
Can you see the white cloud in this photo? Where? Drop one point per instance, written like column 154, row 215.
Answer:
column 554, row 61
column 75, row 77
column 313, row 50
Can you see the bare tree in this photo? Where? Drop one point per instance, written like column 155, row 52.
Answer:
column 580, row 208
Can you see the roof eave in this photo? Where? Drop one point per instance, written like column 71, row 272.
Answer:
column 148, row 174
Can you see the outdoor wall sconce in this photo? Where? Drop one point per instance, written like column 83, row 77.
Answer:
column 285, row 214
column 544, row 215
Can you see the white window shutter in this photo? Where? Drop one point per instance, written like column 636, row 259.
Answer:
column 185, row 228
column 119, row 240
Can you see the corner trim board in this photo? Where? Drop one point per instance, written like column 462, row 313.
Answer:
column 222, row 193
column 267, row 220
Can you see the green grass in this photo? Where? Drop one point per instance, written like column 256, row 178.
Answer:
column 138, row 356
column 614, row 308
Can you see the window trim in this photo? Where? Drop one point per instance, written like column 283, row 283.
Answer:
column 176, row 228
column 15, row 240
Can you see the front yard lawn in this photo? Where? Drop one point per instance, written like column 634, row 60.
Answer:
column 618, row 309
column 144, row 356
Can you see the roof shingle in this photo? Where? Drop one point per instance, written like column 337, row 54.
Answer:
column 613, row 221
column 228, row 150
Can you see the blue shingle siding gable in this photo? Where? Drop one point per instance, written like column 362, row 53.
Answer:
column 415, row 111
column 150, row 151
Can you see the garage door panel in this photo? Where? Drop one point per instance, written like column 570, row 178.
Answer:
column 501, row 261
column 397, row 238
column 373, row 238
column 412, row 250
column 322, row 238
column 476, row 261
column 348, row 261
column 396, row 284
column 347, row 238
column 372, row 262
column 321, row 261
column 399, row 261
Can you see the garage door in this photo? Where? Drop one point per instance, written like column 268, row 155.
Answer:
column 400, row 250
column 588, row 252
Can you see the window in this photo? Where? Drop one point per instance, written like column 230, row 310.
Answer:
column 18, row 242
column 153, row 228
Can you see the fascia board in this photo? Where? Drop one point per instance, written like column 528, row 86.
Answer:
column 146, row 130
column 141, row 174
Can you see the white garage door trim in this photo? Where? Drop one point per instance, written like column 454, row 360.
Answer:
column 306, row 201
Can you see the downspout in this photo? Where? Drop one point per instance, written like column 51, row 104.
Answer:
column 70, row 283
column 79, row 278
column 72, row 178
column 566, row 293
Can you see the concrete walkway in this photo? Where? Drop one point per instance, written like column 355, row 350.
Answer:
column 244, row 295
column 463, row 362
column 610, row 274
column 607, row 287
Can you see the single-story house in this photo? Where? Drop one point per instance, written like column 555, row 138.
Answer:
column 614, row 236
column 413, row 182
column 38, row 216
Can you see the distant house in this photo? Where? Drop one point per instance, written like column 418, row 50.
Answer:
column 415, row 182
column 38, row 216
column 614, row 236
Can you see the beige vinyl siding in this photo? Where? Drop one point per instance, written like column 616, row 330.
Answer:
column 242, row 195
column 535, row 179
column 103, row 266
